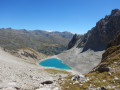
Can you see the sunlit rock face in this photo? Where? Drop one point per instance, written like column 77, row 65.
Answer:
column 85, row 51
column 99, row 36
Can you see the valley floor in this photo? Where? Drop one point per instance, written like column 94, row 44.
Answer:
column 82, row 62
column 20, row 74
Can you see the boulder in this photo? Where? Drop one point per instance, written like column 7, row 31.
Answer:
column 78, row 78
column 47, row 82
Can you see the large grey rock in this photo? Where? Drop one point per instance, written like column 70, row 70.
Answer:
column 47, row 82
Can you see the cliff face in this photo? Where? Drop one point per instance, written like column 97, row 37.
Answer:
column 112, row 48
column 85, row 52
column 98, row 37
column 106, row 76
column 115, row 41
column 74, row 40
column 111, row 57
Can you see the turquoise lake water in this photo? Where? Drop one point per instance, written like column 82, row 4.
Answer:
column 53, row 62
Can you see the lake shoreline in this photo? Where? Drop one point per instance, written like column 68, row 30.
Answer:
column 54, row 62
column 55, row 56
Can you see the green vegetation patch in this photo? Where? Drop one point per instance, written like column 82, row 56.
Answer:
column 55, row 71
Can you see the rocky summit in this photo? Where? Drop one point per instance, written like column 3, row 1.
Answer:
column 98, row 37
column 85, row 51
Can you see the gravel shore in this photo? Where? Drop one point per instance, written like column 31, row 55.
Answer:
column 15, row 73
column 82, row 62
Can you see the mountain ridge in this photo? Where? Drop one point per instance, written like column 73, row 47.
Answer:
column 98, row 37
column 45, row 42
column 85, row 52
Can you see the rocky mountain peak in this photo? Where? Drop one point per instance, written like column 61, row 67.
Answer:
column 115, row 12
column 98, row 37
column 73, row 41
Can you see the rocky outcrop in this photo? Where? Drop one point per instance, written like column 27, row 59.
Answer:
column 112, row 46
column 79, row 78
column 99, row 36
column 86, row 51
column 47, row 82
column 115, row 41
column 27, row 54
column 102, row 68
column 73, row 41
column 110, row 57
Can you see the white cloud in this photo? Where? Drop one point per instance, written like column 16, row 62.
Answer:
column 48, row 31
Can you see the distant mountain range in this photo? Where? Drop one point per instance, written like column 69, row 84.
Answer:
column 43, row 41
